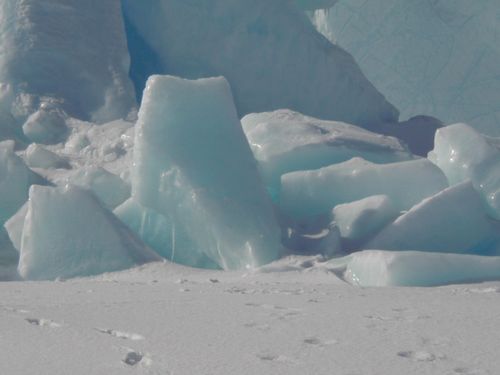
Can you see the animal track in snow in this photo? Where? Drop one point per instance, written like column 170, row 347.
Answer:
column 43, row 323
column 314, row 341
column 121, row 334
column 418, row 356
column 275, row 358
column 134, row 358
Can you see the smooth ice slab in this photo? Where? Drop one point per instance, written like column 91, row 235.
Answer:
column 193, row 164
column 268, row 50
column 362, row 219
column 67, row 233
column 437, row 58
column 406, row 183
column 69, row 52
column 286, row 141
column 462, row 153
column 413, row 268
column 452, row 221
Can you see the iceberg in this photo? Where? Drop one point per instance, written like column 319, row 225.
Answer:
column 406, row 183
column 375, row 268
column 268, row 50
column 462, row 153
column 452, row 221
column 285, row 141
column 437, row 58
column 192, row 164
column 67, row 233
column 70, row 54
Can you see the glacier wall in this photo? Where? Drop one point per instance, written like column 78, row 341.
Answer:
column 69, row 52
column 437, row 58
column 267, row 50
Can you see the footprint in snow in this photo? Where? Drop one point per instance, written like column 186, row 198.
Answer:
column 269, row 357
column 419, row 356
column 314, row 341
column 43, row 323
column 121, row 334
column 134, row 358
column 467, row 371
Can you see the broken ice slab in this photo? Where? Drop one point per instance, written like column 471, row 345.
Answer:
column 376, row 268
column 193, row 165
column 68, row 233
column 360, row 220
column 452, row 221
column 285, row 141
column 405, row 183
column 462, row 153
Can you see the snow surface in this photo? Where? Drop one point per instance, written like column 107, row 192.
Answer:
column 437, row 58
column 165, row 319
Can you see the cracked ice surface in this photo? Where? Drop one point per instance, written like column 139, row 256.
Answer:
column 437, row 57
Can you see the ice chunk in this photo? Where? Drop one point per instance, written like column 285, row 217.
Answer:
column 406, row 183
column 160, row 233
column 193, row 165
column 285, row 141
column 108, row 187
column 452, row 221
column 15, row 179
column 268, row 50
column 462, row 153
column 14, row 226
column 438, row 58
column 69, row 52
column 39, row 157
column 45, row 126
column 413, row 268
column 362, row 219
column 67, row 233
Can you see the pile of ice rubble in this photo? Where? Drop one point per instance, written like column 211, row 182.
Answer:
column 209, row 180
column 203, row 189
